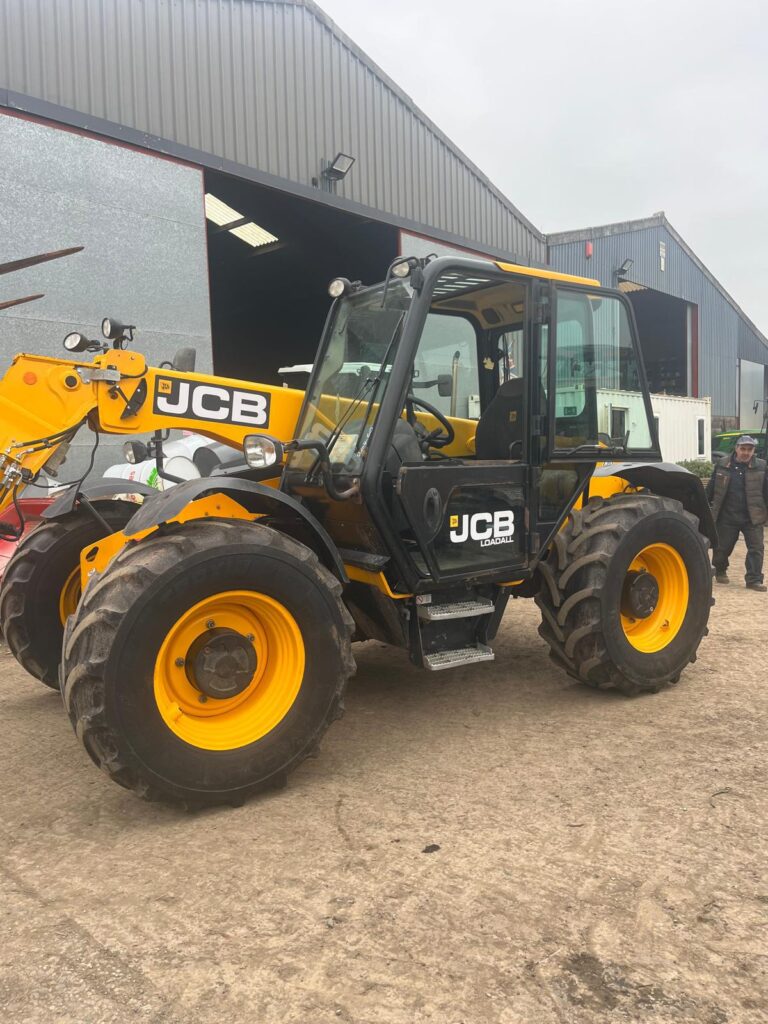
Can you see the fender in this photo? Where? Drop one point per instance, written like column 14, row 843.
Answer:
column 251, row 495
column 669, row 480
column 66, row 502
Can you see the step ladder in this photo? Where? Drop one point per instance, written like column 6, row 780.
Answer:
column 458, row 656
column 468, row 651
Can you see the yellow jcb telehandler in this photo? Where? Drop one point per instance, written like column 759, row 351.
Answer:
column 453, row 449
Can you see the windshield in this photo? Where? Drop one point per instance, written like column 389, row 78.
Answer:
column 349, row 378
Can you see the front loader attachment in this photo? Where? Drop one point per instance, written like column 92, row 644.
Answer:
column 43, row 402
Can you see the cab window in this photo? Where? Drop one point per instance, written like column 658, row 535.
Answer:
column 598, row 390
column 445, row 370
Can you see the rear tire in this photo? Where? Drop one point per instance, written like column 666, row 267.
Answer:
column 584, row 585
column 119, row 679
column 39, row 588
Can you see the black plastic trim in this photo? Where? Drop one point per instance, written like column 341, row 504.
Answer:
column 671, row 481
column 65, row 503
column 254, row 496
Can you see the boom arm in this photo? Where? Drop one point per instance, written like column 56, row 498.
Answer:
column 43, row 402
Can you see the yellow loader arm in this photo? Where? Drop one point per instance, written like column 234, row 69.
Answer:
column 43, row 402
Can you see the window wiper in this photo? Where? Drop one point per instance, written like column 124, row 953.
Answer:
column 354, row 402
column 598, row 449
column 395, row 337
column 370, row 383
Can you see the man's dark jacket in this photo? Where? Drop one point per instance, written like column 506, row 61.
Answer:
column 756, row 485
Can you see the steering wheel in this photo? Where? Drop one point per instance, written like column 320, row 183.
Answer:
column 439, row 438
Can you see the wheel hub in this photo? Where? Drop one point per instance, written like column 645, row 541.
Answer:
column 640, row 594
column 221, row 663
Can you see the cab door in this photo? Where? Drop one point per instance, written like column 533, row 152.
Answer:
column 465, row 510
column 465, row 517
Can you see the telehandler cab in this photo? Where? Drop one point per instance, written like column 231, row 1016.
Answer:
column 452, row 450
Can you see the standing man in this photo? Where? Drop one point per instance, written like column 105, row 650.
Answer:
column 738, row 494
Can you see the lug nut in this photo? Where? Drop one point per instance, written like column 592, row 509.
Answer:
column 203, row 699
column 210, row 624
column 179, row 663
column 250, row 637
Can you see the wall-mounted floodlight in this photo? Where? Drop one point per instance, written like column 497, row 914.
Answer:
column 620, row 273
column 339, row 167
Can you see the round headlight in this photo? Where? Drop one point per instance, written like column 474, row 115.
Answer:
column 262, row 451
column 76, row 342
column 401, row 269
column 135, row 452
column 112, row 329
column 337, row 287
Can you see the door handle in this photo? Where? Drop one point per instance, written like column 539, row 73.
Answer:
column 433, row 510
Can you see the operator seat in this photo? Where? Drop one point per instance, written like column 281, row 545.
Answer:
column 502, row 422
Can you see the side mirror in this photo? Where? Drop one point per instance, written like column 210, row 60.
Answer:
column 262, row 451
column 444, row 385
column 184, row 360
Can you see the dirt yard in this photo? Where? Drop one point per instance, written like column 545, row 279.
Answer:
column 472, row 847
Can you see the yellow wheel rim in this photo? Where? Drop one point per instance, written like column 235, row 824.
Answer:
column 69, row 598
column 659, row 629
column 225, row 724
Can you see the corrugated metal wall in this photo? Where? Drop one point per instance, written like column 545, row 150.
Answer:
column 270, row 86
column 724, row 336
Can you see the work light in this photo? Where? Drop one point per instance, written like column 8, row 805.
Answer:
column 112, row 329
column 76, row 342
column 338, row 286
column 135, row 452
column 262, row 451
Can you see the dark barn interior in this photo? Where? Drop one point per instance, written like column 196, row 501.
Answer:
column 269, row 303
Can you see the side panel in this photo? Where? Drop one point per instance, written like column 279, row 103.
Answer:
column 139, row 217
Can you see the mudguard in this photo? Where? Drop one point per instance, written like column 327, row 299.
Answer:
column 251, row 495
column 95, row 491
column 667, row 479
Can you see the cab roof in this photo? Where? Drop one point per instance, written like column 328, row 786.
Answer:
column 546, row 274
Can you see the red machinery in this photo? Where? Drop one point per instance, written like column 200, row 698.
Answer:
column 32, row 509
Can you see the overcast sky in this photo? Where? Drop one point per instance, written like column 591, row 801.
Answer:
column 585, row 113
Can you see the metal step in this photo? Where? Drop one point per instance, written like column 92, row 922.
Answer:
column 455, row 610
column 461, row 656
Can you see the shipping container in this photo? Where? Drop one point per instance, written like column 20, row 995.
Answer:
column 685, row 427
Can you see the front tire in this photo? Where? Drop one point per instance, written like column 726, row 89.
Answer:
column 626, row 593
column 41, row 586
column 207, row 662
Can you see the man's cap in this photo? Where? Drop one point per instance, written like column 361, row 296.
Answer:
column 746, row 439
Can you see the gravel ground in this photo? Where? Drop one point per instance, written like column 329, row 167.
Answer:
column 481, row 846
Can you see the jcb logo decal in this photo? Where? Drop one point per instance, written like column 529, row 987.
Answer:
column 488, row 528
column 211, row 402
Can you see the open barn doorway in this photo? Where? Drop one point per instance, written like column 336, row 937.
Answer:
column 271, row 256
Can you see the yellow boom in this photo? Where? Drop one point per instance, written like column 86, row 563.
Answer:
column 43, row 401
